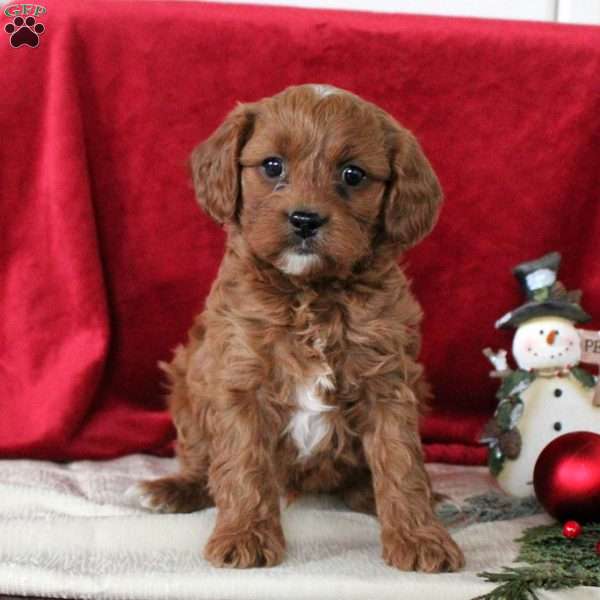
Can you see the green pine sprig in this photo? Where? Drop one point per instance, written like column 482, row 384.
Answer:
column 554, row 562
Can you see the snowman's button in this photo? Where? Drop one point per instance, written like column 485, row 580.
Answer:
column 557, row 426
column 558, row 392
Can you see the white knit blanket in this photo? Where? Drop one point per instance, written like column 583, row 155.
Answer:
column 68, row 531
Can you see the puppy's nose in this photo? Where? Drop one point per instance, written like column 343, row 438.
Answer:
column 306, row 223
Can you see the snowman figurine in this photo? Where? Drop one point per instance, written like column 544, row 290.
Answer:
column 548, row 395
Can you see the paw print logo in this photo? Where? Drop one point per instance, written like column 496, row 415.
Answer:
column 24, row 32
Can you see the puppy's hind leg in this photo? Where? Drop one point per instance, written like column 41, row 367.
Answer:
column 174, row 494
column 186, row 491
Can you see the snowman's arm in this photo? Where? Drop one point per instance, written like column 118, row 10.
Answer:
column 499, row 362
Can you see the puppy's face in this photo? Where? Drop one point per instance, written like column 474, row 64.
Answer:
column 316, row 180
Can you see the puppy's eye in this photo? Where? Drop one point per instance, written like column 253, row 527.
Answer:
column 273, row 167
column 353, row 176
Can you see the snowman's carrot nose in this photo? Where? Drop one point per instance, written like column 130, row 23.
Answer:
column 551, row 337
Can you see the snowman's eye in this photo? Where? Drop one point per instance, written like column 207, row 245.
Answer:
column 541, row 332
column 557, row 426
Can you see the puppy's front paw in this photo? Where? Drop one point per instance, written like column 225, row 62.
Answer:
column 430, row 549
column 262, row 546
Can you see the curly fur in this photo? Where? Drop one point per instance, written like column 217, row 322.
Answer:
column 302, row 375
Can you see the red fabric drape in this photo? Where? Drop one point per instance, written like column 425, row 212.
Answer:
column 104, row 257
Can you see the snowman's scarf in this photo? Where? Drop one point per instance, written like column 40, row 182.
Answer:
column 516, row 382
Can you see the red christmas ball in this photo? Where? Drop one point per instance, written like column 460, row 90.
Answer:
column 571, row 529
column 566, row 477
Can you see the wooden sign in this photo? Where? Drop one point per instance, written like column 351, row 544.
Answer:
column 590, row 353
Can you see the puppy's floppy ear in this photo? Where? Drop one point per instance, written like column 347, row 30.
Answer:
column 215, row 165
column 414, row 194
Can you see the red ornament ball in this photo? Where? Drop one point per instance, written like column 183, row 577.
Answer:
column 566, row 477
column 571, row 529
column 598, row 548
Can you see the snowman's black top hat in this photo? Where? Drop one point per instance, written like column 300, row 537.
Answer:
column 546, row 296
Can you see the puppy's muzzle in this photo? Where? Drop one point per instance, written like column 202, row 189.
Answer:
column 306, row 224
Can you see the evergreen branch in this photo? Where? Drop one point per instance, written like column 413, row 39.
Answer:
column 555, row 562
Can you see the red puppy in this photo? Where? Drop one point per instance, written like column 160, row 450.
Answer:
column 301, row 374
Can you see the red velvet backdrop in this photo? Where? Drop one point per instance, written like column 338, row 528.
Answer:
column 105, row 257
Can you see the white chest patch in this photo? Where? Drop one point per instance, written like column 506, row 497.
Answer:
column 308, row 426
